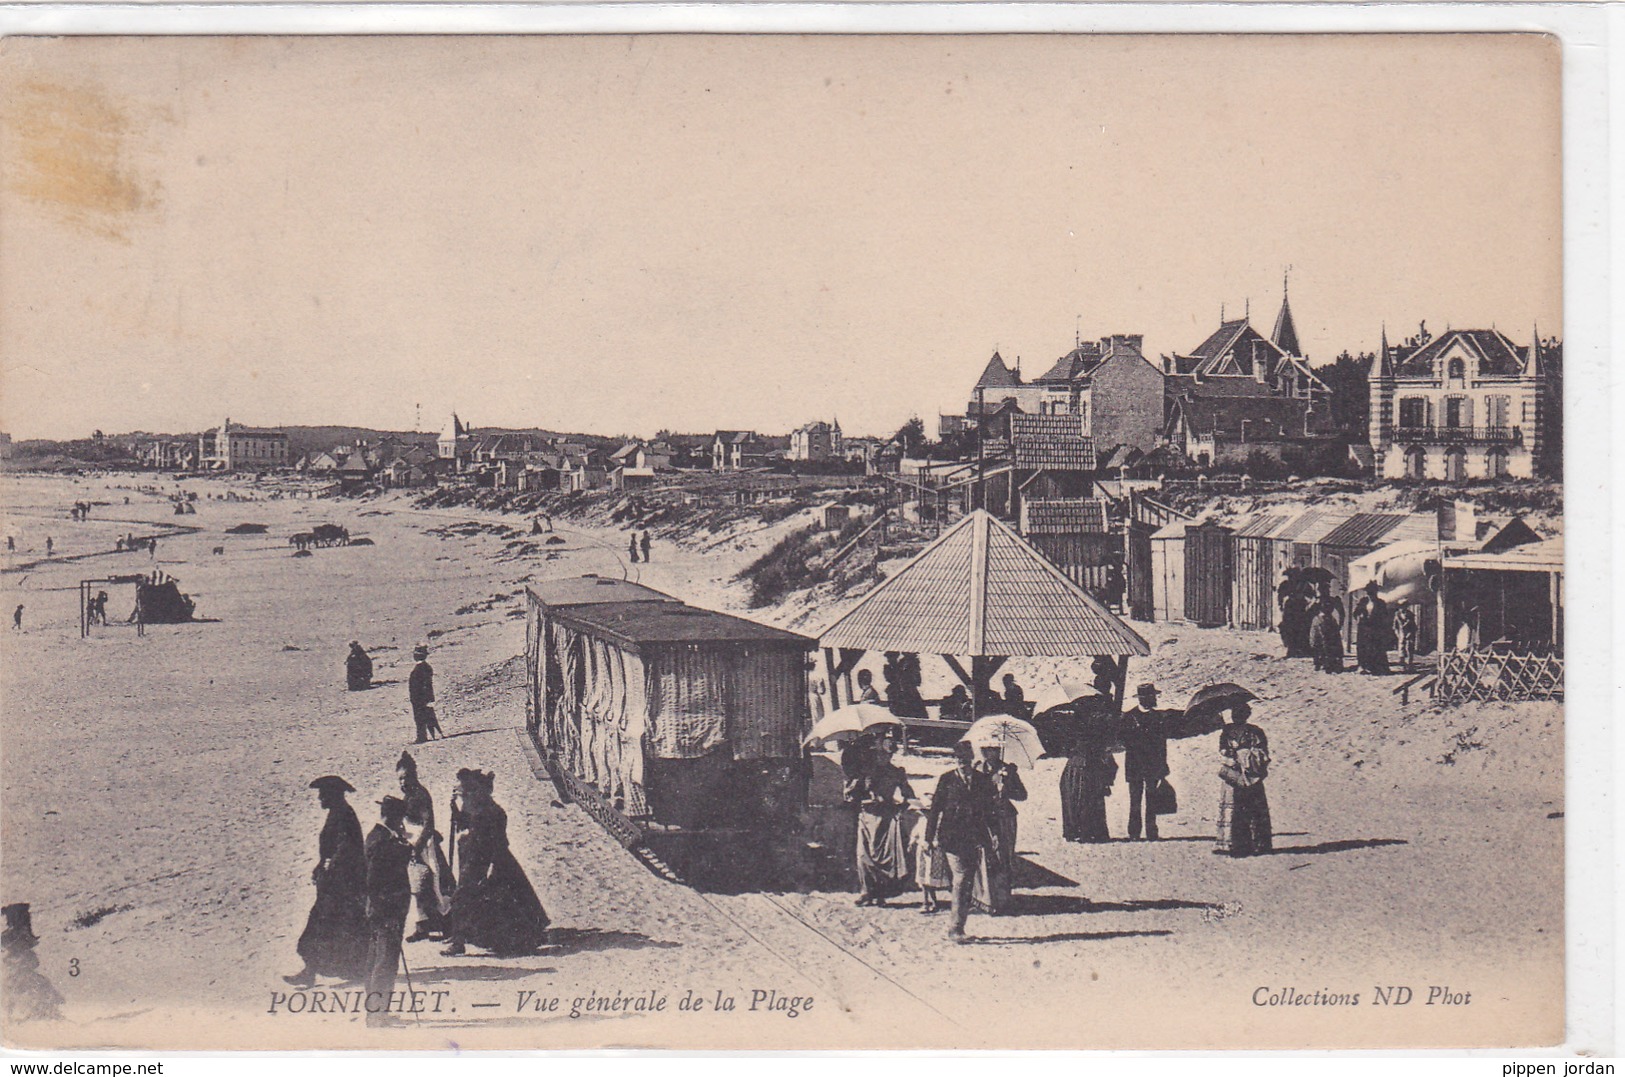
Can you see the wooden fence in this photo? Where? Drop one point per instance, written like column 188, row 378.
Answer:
column 1466, row 676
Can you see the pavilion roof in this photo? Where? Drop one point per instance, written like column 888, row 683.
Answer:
column 981, row 590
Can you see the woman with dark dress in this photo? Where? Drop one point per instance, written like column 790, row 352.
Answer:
column 494, row 906
column 1326, row 631
column 335, row 939
column 1373, row 631
column 1090, row 771
column 881, row 793
column 1244, row 809
column 994, row 881
column 1294, row 599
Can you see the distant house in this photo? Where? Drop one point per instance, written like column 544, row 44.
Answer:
column 582, row 474
column 1230, row 430
column 861, row 450
column 817, row 441
column 355, row 472
column 321, row 463
column 454, row 443
column 1113, row 388
column 1467, row 405
column 740, row 450
column 641, row 456
column 169, row 454
column 688, row 450
column 1238, row 360
column 235, row 447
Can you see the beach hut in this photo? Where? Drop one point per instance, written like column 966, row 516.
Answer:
column 654, row 713
column 978, row 592
column 1501, row 624
column 1257, row 568
column 1075, row 536
column 1168, row 572
column 1208, row 565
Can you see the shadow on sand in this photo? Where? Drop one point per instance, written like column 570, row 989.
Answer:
column 1054, row 904
column 576, row 940
column 478, row 973
column 1346, row 845
column 472, row 732
column 1062, row 936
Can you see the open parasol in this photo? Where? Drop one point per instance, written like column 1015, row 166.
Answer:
column 1018, row 740
column 851, row 721
column 1216, row 697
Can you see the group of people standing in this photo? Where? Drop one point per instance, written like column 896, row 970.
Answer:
column 1312, row 624
column 367, row 889
column 634, row 544
column 965, row 842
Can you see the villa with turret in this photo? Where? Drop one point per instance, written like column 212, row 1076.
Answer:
column 1469, row 404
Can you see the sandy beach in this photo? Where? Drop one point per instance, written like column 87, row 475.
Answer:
column 156, row 816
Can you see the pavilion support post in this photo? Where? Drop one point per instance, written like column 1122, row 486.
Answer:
column 834, row 684
column 1120, row 680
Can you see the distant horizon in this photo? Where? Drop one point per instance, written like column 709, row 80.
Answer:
column 696, row 232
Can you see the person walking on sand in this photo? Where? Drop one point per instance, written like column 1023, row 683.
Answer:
column 964, row 811
column 357, row 668
column 1244, row 809
column 1326, row 631
column 1145, row 759
column 880, row 794
column 389, row 896
column 17, row 618
column 334, row 942
column 645, row 545
column 48, row 545
column 1406, row 631
column 430, row 874
column 495, row 906
column 1373, row 631
column 632, row 547
column 997, row 874
column 420, row 690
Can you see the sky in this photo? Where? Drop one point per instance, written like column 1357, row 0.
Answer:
column 616, row 235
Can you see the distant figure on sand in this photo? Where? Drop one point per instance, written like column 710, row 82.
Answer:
column 1373, row 631
column 357, row 668
column 17, row 618
column 420, row 690
column 48, row 545
column 1244, row 809
column 1406, row 631
column 389, row 896
column 11, row 544
column 964, row 812
column 645, row 544
column 1294, row 598
column 494, row 906
column 152, row 548
column 334, row 942
column 880, row 794
column 1326, row 631
column 632, row 547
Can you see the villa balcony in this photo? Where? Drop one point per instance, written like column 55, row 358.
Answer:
column 1460, row 435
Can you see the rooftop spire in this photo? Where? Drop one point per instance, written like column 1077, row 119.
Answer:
column 1285, row 336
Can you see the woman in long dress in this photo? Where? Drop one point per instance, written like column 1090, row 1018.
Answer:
column 1373, row 631
column 494, row 906
column 1090, row 771
column 1244, row 809
column 881, row 794
column 998, row 867
column 1326, row 631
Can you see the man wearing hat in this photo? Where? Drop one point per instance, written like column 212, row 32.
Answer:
column 29, row 996
column 334, row 942
column 389, row 896
column 420, row 689
column 1145, row 758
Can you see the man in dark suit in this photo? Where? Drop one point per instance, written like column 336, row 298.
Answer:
column 420, row 689
column 389, row 896
column 1145, row 759
column 964, row 811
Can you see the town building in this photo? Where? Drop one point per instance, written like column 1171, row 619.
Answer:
column 234, row 447
column 454, row 444
column 1237, row 360
column 1116, row 392
column 817, row 441
column 740, row 450
column 1469, row 404
column 168, row 454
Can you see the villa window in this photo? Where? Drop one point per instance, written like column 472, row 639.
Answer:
column 1413, row 413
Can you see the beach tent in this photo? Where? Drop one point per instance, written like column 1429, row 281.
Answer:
column 1501, row 624
column 979, row 592
column 661, row 712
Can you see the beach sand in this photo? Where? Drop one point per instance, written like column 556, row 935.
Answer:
column 155, row 814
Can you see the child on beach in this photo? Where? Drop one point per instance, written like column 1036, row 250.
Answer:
column 930, row 866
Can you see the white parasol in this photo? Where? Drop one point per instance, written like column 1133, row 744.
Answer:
column 850, row 721
column 1016, row 739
